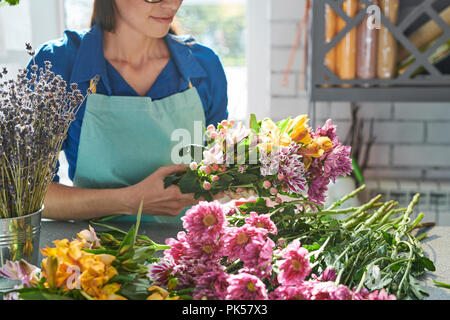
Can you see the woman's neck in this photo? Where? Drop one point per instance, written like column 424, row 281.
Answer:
column 130, row 46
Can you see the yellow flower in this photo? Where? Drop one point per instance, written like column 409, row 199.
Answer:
column 271, row 136
column 108, row 292
column 158, row 293
column 299, row 131
column 325, row 143
column 68, row 260
column 313, row 150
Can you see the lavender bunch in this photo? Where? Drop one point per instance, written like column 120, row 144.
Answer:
column 36, row 110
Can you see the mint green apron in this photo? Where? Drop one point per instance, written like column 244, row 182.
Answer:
column 123, row 140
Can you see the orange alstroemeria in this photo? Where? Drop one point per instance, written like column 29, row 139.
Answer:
column 68, row 260
column 158, row 293
column 325, row 143
column 299, row 130
column 271, row 136
column 313, row 150
column 108, row 292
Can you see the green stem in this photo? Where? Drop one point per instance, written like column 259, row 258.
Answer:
column 346, row 197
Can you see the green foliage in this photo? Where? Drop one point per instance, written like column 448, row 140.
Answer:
column 9, row 2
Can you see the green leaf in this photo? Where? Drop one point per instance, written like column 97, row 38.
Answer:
column 428, row 264
column 136, row 290
column 254, row 123
column 189, row 183
column 441, row 285
column 171, row 180
column 101, row 251
column 42, row 295
column 388, row 238
column 127, row 242
column 244, row 179
column 283, row 125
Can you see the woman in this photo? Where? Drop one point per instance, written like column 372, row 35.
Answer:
column 151, row 83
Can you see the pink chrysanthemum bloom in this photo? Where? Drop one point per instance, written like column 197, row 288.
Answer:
column 317, row 190
column 261, row 221
column 160, row 272
column 328, row 130
column 293, row 169
column 249, row 244
column 204, row 221
column 329, row 274
column 189, row 271
column 295, row 267
column 287, row 293
column 338, row 162
column 318, row 290
column 212, row 286
column 380, row 295
column 261, row 273
column 245, row 286
column 207, row 251
column 178, row 248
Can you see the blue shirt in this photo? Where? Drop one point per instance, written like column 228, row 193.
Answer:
column 78, row 57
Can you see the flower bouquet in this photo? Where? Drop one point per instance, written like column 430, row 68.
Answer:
column 284, row 251
column 276, row 160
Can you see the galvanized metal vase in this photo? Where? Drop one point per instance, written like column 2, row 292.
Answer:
column 19, row 239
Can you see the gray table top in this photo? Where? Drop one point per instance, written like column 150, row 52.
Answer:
column 436, row 246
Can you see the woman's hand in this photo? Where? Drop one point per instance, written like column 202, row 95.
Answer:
column 157, row 200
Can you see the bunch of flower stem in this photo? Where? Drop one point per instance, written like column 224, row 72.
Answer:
column 373, row 234
column 36, row 110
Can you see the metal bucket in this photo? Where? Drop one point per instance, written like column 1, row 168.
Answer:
column 19, row 239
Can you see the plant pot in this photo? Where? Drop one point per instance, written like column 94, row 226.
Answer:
column 19, row 239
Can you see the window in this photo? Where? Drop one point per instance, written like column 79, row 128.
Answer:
column 218, row 24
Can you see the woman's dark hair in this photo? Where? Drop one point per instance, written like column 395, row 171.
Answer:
column 104, row 16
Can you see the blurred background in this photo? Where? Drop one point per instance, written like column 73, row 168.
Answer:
column 403, row 143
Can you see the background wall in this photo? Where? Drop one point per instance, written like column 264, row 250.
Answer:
column 412, row 140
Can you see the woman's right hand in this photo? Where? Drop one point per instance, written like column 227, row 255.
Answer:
column 157, row 200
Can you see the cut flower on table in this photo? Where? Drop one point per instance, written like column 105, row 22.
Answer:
column 288, row 251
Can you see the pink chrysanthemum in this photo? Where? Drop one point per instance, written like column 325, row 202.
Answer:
column 212, row 286
column 189, row 272
column 364, row 294
column 295, row 267
column 160, row 272
column 204, row 221
column 317, row 190
column 207, row 251
column 328, row 130
column 178, row 248
column 338, row 162
column 287, row 293
column 249, row 244
column 260, row 273
column 244, row 286
column 318, row 290
column 262, row 221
